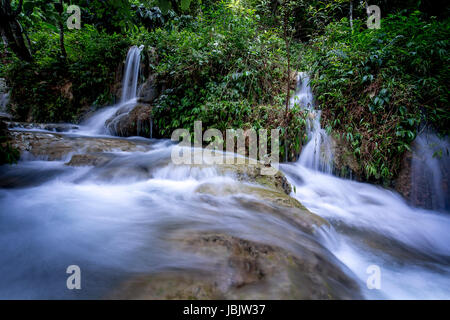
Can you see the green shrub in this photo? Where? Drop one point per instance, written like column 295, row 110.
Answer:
column 50, row 90
column 220, row 69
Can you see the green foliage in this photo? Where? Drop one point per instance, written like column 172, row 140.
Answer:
column 376, row 86
column 48, row 90
column 218, row 69
column 8, row 154
column 112, row 16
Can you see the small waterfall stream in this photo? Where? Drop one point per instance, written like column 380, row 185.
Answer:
column 96, row 123
column 374, row 226
column 4, row 98
column 430, row 172
column 316, row 154
column 131, row 75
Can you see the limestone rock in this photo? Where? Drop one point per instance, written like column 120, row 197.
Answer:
column 134, row 122
column 245, row 269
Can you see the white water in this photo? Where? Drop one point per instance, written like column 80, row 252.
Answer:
column 430, row 165
column 372, row 225
column 4, row 99
column 115, row 222
column 316, row 154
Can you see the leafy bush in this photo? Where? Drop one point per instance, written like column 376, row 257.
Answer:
column 50, row 90
column 219, row 69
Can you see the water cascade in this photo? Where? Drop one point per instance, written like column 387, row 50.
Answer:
column 317, row 153
column 430, row 172
column 371, row 226
column 4, row 98
column 96, row 123
column 131, row 74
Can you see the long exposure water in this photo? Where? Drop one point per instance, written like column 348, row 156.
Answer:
column 114, row 221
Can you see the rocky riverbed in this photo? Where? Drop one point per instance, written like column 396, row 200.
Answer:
column 236, row 233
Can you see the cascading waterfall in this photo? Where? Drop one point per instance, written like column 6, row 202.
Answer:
column 317, row 153
column 374, row 226
column 131, row 75
column 96, row 123
column 430, row 172
column 4, row 98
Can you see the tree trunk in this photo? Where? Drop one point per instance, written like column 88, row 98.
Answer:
column 175, row 6
column 351, row 15
column 12, row 31
column 61, row 31
column 287, row 41
column 288, row 83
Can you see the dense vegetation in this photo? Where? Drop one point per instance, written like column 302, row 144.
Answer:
column 377, row 87
column 229, row 76
column 231, row 63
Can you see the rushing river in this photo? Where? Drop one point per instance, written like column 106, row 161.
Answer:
column 114, row 221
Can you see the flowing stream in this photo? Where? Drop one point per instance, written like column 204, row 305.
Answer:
column 372, row 225
column 115, row 221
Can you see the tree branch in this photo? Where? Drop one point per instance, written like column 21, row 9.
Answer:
column 19, row 9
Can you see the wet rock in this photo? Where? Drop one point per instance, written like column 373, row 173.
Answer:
column 402, row 184
column 345, row 164
column 149, row 90
column 5, row 116
column 169, row 286
column 245, row 269
column 134, row 122
column 93, row 159
column 53, row 146
column 267, row 200
column 250, row 172
column 55, row 127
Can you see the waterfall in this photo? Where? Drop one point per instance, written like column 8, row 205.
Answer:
column 131, row 74
column 368, row 220
column 317, row 153
column 4, row 98
column 96, row 123
column 430, row 168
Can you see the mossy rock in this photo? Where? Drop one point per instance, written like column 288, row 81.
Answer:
column 244, row 269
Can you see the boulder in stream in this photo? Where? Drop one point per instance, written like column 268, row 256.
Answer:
column 244, row 269
column 127, row 122
column 53, row 146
